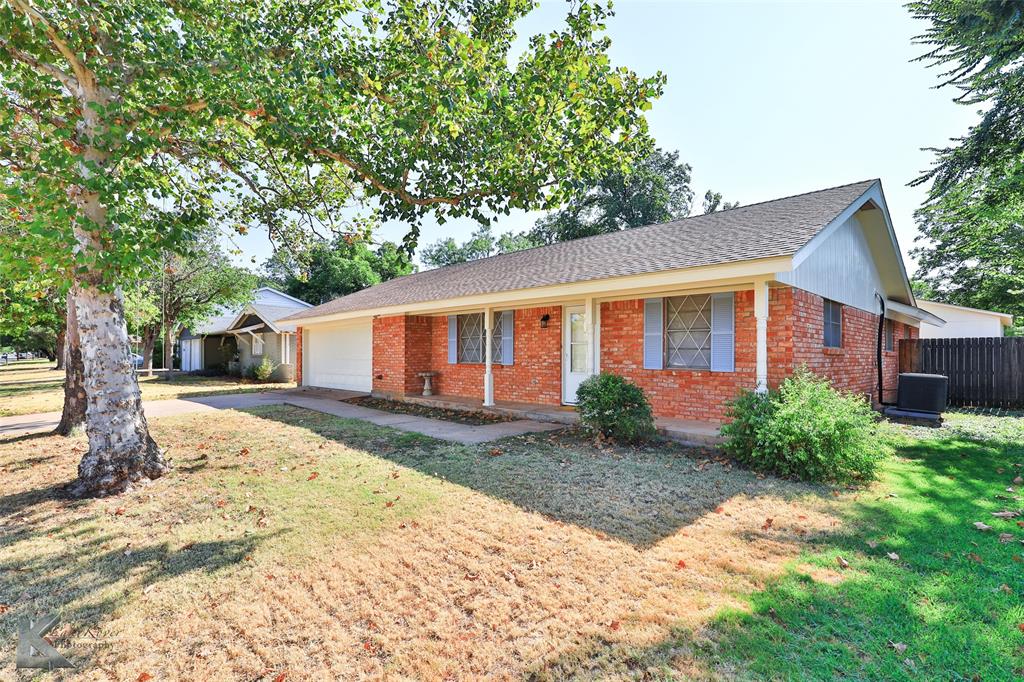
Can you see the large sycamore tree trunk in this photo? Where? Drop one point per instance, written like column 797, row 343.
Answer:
column 73, row 415
column 121, row 451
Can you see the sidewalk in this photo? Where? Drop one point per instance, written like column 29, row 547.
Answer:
column 457, row 433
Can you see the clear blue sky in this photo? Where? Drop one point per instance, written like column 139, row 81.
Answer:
column 768, row 99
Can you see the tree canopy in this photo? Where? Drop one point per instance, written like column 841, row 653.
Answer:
column 972, row 226
column 116, row 110
column 327, row 270
column 481, row 244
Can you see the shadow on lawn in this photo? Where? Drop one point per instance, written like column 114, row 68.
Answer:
column 950, row 609
column 640, row 496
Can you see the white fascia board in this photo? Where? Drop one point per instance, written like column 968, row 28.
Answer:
column 1005, row 318
column 913, row 312
column 631, row 285
column 873, row 193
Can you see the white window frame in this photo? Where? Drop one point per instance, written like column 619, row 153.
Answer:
column 830, row 309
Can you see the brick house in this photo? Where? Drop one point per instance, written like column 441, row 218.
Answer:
column 694, row 311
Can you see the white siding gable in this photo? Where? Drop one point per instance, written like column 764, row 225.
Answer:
column 268, row 296
column 840, row 268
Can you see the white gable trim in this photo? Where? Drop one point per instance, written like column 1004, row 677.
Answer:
column 284, row 295
column 871, row 194
column 249, row 310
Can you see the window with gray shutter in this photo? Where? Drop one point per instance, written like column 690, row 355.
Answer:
column 653, row 333
column 507, row 319
column 723, row 332
column 471, row 337
column 688, row 332
column 453, row 339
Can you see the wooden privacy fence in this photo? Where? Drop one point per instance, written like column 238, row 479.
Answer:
column 982, row 372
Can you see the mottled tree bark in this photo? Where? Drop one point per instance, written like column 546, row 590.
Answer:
column 73, row 415
column 121, row 451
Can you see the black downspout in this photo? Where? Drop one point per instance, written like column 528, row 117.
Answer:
column 878, row 354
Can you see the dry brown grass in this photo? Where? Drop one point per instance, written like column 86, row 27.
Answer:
column 541, row 557
column 33, row 387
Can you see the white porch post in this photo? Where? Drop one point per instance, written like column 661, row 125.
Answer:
column 488, row 375
column 761, row 317
column 588, row 324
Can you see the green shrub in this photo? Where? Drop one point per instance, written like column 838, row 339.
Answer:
column 261, row 372
column 615, row 407
column 808, row 430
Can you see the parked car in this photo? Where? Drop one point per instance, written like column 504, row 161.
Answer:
column 136, row 361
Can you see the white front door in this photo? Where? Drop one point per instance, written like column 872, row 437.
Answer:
column 575, row 339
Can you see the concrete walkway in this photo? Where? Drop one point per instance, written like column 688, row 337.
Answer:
column 444, row 430
column 435, row 428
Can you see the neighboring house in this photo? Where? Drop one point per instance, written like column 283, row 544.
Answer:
column 693, row 311
column 239, row 338
column 963, row 322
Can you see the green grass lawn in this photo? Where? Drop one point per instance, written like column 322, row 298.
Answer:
column 285, row 541
column 947, row 606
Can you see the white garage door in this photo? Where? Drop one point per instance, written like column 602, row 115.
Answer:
column 339, row 356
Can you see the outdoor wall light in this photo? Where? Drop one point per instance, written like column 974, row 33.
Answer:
column 544, row 321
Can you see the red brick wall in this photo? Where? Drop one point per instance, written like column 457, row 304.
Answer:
column 851, row 367
column 298, row 355
column 404, row 346
column 401, row 349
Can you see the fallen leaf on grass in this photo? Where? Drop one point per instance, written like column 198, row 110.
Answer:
column 1006, row 537
column 220, row 503
column 1006, row 588
column 143, row 677
column 1020, row 626
column 898, row 647
column 1018, row 480
column 313, row 476
column 1005, row 514
column 893, row 555
column 280, row 678
column 843, row 563
column 472, row 576
column 974, row 557
column 981, row 526
column 243, row 452
column 767, row 524
column 4, row 608
column 495, row 452
column 615, row 625
column 679, row 564
column 719, row 510
column 872, row 544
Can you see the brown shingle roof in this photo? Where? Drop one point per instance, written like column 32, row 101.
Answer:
column 771, row 228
